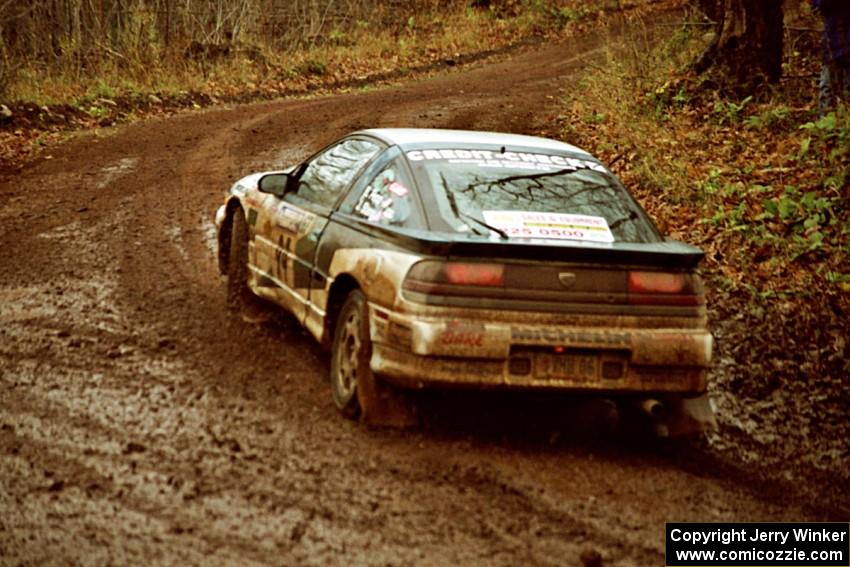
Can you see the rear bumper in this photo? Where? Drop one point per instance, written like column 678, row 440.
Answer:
column 417, row 371
column 470, row 353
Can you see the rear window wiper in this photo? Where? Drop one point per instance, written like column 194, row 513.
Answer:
column 495, row 229
column 629, row 217
column 456, row 210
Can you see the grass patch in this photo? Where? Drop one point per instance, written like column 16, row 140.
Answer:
column 445, row 32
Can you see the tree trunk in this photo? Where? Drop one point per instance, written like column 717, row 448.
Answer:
column 747, row 53
column 793, row 10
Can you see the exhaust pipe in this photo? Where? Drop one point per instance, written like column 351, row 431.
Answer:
column 678, row 417
column 653, row 408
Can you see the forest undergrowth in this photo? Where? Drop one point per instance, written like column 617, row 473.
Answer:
column 762, row 184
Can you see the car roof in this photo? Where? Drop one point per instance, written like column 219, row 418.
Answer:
column 424, row 137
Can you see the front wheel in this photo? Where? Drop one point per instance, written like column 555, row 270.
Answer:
column 240, row 298
column 356, row 390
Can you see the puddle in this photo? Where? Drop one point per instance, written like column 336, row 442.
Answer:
column 210, row 235
column 63, row 231
column 83, row 298
column 111, row 173
column 15, row 207
column 23, row 304
column 175, row 234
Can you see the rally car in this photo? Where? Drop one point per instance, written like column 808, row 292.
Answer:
column 435, row 258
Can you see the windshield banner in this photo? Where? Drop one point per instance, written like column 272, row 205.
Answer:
column 524, row 224
column 507, row 160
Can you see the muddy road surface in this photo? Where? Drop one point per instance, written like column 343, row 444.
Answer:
column 140, row 423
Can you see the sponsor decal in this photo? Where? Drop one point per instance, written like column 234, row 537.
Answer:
column 463, row 334
column 252, row 217
column 513, row 160
column 292, row 219
column 385, row 200
column 536, row 335
column 461, row 338
column 397, row 189
column 561, row 226
column 281, row 259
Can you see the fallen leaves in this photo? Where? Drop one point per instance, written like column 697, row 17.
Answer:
column 764, row 189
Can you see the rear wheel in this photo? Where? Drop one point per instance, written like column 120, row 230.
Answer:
column 356, row 390
column 348, row 356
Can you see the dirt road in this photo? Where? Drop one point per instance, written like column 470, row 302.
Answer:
column 141, row 424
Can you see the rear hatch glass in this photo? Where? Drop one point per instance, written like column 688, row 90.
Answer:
column 512, row 194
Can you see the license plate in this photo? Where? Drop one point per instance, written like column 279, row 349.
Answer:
column 568, row 366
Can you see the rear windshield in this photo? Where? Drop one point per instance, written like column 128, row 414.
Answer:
column 529, row 195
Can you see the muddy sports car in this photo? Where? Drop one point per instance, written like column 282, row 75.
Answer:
column 436, row 258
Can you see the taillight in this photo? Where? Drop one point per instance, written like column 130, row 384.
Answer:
column 475, row 274
column 656, row 282
column 431, row 276
column 665, row 288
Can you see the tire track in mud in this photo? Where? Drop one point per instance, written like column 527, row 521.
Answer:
column 140, row 423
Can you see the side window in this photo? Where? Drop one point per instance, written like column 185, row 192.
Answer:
column 387, row 199
column 329, row 173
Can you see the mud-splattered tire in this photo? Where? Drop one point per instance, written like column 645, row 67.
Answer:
column 349, row 355
column 239, row 295
column 356, row 390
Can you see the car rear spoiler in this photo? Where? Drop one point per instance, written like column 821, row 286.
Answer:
column 667, row 254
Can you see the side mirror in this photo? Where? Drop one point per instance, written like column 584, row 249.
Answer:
column 274, row 183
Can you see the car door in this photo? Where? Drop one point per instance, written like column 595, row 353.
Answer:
column 383, row 195
column 285, row 250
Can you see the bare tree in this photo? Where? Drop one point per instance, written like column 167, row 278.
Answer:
column 82, row 38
